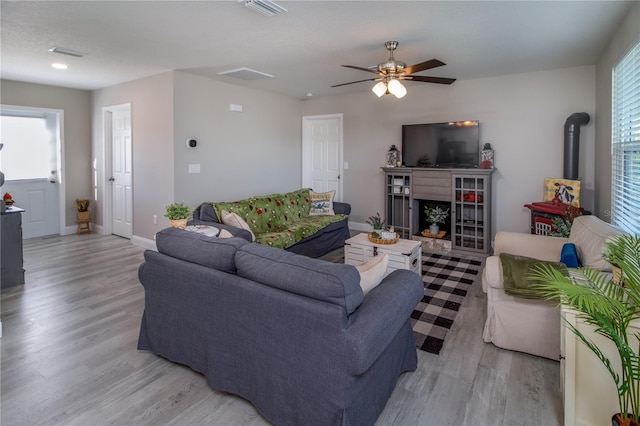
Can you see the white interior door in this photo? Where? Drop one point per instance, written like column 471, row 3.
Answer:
column 122, row 173
column 322, row 153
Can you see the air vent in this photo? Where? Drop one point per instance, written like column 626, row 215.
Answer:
column 65, row 51
column 245, row 74
column 265, row 7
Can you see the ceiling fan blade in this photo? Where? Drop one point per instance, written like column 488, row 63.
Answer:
column 438, row 80
column 426, row 65
column 353, row 82
column 363, row 69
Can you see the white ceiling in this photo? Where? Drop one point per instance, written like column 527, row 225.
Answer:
column 303, row 48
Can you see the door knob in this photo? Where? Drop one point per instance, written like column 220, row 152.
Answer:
column 111, row 179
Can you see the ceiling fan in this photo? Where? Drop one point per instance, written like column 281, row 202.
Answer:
column 392, row 72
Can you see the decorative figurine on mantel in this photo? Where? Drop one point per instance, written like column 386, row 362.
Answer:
column 393, row 157
column 487, row 154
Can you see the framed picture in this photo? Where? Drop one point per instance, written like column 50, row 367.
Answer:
column 562, row 190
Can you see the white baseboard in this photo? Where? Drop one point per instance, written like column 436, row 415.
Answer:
column 73, row 229
column 70, row 230
column 359, row 226
column 144, row 243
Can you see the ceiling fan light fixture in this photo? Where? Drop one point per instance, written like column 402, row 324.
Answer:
column 397, row 89
column 379, row 89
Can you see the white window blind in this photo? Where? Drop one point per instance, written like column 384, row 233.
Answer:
column 625, row 143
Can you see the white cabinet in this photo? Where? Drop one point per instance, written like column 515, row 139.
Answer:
column 588, row 389
column 405, row 254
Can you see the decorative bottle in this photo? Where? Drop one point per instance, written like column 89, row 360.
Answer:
column 393, row 157
column 486, row 157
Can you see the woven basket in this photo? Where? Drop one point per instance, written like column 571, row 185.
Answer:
column 381, row 241
column 428, row 234
column 178, row 223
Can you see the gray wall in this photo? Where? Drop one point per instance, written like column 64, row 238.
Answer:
column 77, row 132
column 240, row 154
column 151, row 101
column 628, row 33
column 521, row 115
column 253, row 152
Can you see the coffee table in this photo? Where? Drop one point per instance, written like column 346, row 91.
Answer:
column 405, row 254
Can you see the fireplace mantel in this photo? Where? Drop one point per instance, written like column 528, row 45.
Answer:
column 466, row 191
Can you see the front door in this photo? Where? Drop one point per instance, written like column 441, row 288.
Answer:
column 39, row 199
column 322, row 153
column 32, row 139
column 122, row 172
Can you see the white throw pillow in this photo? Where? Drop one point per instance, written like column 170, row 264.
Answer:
column 321, row 203
column 234, row 220
column 225, row 234
column 589, row 233
column 372, row 272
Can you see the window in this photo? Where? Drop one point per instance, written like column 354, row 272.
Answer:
column 29, row 150
column 625, row 143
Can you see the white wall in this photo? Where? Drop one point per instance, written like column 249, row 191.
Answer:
column 253, row 152
column 77, row 131
column 626, row 36
column 521, row 115
column 151, row 101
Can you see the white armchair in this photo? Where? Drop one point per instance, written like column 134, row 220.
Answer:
column 527, row 325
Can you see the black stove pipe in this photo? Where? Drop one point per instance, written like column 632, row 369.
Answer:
column 572, row 143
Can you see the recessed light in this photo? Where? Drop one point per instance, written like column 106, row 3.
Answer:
column 59, row 66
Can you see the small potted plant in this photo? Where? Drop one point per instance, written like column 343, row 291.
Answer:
column 377, row 224
column 82, row 207
column 177, row 213
column 380, row 234
column 435, row 215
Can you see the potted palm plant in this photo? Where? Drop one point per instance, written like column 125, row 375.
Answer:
column 177, row 213
column 610, row 308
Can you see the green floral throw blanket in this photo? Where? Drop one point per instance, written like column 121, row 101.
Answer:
column 278, row 220
column 515, row 270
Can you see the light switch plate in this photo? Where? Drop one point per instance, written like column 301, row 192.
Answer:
column 194, row 168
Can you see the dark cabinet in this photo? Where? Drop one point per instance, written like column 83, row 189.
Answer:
column 12, row 273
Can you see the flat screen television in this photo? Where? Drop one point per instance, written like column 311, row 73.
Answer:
column 447, row 145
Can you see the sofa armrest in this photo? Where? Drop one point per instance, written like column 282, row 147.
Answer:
column 383, row 312
column 492, row 273
column 205, row 213
column 537, row 246
column 341, row 208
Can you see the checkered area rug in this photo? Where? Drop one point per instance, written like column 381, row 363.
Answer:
column 446, row 282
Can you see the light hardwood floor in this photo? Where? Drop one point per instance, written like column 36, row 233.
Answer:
column 69, row 357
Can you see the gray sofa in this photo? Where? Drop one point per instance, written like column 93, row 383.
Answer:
column 293, row 335
column 324, row 241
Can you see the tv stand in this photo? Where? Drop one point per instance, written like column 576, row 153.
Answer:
column 466, row 192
